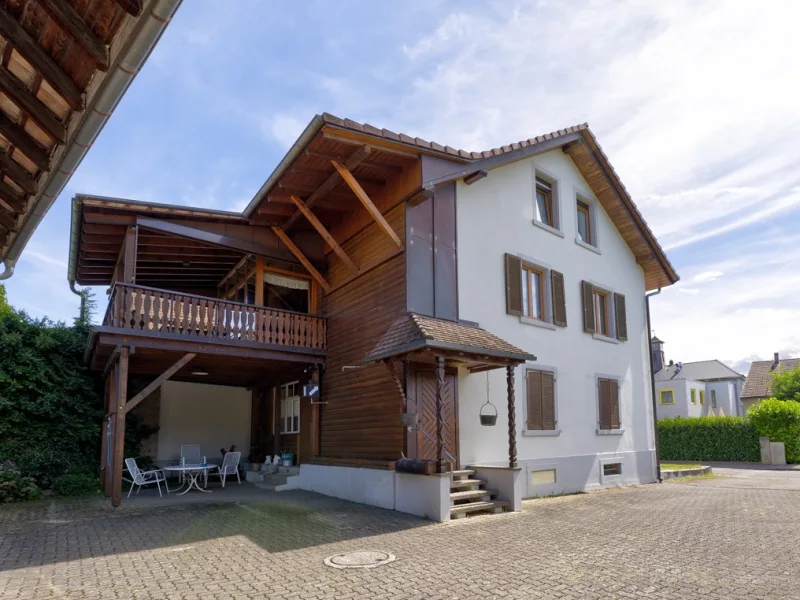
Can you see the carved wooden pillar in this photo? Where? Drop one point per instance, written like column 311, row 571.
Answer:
column 440, row 457
column 512, row 418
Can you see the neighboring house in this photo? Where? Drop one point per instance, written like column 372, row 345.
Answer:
column 757, row 385
column 695, row 389
column 397, row 276
column 65, row 67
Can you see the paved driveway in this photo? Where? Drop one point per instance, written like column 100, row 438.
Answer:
column 728, row 538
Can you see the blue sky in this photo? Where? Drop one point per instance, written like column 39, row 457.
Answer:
column 696, row 106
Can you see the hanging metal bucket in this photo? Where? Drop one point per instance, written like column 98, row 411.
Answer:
column 409, row 419
column 487, row 419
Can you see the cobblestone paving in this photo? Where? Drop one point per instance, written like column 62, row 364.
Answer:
column 676, row 540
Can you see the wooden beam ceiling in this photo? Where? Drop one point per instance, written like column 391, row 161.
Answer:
column 17, row 136
column 71, row 22
column 301, row 257
column 315, row 222
column 15, row 172
column 7, row 220
column 132, row 7
column 10, row 196
column 41, row 61
column 331, row 182
column 31, row 106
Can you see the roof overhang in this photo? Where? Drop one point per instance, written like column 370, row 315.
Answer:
column 48, row 127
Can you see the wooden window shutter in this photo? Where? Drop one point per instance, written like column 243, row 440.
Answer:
column 622, row 323
column 613, row 401
column 587, row 290
column 559, row 299
column 534, row 393
column 513, row 285
column 548, row 401
column 603, row 398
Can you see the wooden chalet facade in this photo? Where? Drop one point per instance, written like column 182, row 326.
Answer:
column 365, row 220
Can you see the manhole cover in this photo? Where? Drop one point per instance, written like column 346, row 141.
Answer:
column 361, row 559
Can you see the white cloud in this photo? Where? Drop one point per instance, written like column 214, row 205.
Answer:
column 707, row 276
column 284, row 128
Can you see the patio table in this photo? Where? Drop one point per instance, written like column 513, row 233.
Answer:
column 192, row 474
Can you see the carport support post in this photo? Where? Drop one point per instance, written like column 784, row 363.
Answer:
column 120, row 398
column 104, row 433
column 512, row 418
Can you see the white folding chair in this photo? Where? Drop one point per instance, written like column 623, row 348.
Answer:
column 190, row 455
column 141, row 478
column 230, row 465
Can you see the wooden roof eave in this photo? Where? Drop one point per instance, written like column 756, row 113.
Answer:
column 452, row 351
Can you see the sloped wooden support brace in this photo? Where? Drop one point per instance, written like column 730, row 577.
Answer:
column 365, row 200
column 157, row 382
column 315, row 222
column 301, row 257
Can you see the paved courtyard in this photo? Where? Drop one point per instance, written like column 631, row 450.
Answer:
column 728, row 538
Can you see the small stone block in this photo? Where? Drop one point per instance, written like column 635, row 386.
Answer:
column 766, row 453
column 777, row 452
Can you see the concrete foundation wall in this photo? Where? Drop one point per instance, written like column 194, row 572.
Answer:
column 509, row 483
column 422, row 495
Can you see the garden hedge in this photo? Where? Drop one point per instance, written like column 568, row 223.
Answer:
column 779, row 420
column 708, row 438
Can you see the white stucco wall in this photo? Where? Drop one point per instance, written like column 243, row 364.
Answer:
column 213, row 416
column 495, row 217
column 680, row 407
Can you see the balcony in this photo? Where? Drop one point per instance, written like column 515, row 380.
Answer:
column 152, row 312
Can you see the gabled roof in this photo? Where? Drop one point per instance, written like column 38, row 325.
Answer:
column 578, row 142
column 757, row 384
column 413, row 332
column 704, row 370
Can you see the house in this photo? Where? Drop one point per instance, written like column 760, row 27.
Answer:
column 65, row 67
column 757, row 384
column 695, row 389
column 384, row 297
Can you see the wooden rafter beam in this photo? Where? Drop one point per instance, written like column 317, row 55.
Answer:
column 7, row 220
column 301, row 257
column 315, row 222
column 33, row 52
column 23, row 142
column 384, row 168
column 70, row 21
column 30, row 105
column 157, row 382
column 132, row 7
column 368, row 204
column 331, row 182
column 20, row 176
column 11, row 197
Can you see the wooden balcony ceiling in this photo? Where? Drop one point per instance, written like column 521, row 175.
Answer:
column 222, row 369
column 54, row 55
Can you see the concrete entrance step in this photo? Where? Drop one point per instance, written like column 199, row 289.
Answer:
column 462, row 510
column 466, row 484
column 462, row 473
column 471, row 495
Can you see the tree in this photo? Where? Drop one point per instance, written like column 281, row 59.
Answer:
column 5, row 307
column 88, row 308
column 786, row 385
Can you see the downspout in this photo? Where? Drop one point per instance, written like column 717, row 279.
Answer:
column 653, row 384
column 114, row 87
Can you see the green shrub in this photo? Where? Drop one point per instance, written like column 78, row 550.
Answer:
column 14, row 487
column 708, row 438
column 76, row 484
column 779, row 420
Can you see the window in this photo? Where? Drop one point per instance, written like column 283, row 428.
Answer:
column 612, row 469
column 666, row 397
column 290, row 408
column 584, row 223
column 702, row 397
column 713, row 398
column 694, row 396
column 543, row 477
column 544, row 203
column 600, row 299
column 540, row 391
column 604, row 313
column 608, row 404
column 535, row 292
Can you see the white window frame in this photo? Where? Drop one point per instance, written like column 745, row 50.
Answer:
column 713, row 394
column 611, row 338
column 539, row 432
column 610, row 461
column 290, row 407
column 620, row 381
column 547, row 283
column 589, row 200
column 552, row 181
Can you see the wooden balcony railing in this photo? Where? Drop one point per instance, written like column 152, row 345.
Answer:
column 140, row 308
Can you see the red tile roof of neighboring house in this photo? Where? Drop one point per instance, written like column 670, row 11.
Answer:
column 757, row 384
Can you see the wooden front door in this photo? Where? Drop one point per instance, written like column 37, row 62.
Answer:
column 422, row 399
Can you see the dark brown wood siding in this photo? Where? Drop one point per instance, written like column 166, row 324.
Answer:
column 360, row 419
